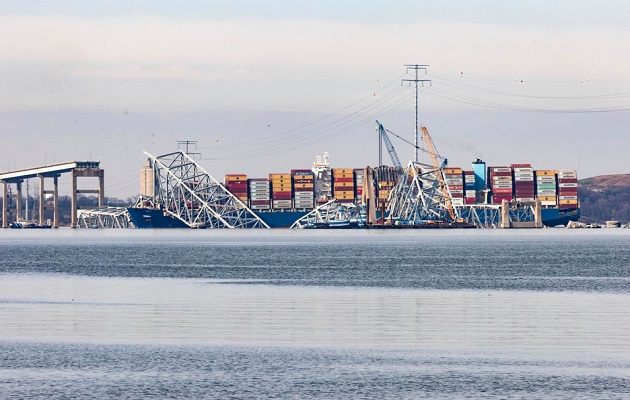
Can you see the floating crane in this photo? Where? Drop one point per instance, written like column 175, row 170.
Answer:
column 390, row 148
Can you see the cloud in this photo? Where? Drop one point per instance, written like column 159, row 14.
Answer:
column 200, row 63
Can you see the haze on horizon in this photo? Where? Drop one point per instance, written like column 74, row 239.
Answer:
column 264, row 87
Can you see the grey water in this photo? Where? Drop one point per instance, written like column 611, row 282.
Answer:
column 314, row 315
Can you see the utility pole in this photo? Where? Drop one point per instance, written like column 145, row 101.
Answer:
column 416, row 68
column 187, row 144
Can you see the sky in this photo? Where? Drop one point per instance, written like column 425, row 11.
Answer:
column 264, row 87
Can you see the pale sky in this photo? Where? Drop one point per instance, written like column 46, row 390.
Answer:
column 266, row 86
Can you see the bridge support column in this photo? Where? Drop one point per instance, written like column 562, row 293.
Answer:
column 42, row 199
column 56, row 201
column 73, row 200
column 101, row 188
column 18, row 200
column 5, row 205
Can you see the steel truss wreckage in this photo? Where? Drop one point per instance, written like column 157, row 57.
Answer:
column 333, row 215
column 418, row 196
column 104, row 217
column 189, row 193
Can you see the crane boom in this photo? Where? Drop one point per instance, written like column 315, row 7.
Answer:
column 448, row 204
column 390, row 147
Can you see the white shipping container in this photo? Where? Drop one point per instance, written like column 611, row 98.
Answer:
column 501, row 178
column 502, row 186
column 524, row 175
column 548, row 203
column 525, row 199
column 260, row 208
column 568, row 185
column 546, row 192
column 567, row 197
column 458, row 201
column 524, row 169
column 519, row 179
column 470, row 195
column 499, row 169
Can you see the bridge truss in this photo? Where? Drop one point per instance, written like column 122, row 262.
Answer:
column 332, row 215
column 189, row 193
column 104, row 217
column 418, row 196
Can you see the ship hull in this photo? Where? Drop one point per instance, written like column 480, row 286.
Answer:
column 148, row 218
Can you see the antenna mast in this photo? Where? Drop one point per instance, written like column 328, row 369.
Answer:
column 416, row 68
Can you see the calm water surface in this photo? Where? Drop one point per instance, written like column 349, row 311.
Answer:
column 282, row 314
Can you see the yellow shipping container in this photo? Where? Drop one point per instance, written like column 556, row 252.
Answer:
column 235, row 177
column 342, row 170
column 284, row 176
column 547, row 198
column 343, row 184
column 452, row 171
column 303, row 185
column 545, row 172
column 568, row 202
column 302, row 176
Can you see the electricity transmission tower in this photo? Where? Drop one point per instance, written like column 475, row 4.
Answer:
column 416, row 68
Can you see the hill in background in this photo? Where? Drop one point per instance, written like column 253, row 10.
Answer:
column 605, row 197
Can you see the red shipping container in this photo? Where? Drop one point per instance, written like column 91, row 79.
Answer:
column 567, row 180
column 343, row 179
column 259, row 202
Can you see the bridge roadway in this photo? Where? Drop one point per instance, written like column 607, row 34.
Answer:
column 54, row 171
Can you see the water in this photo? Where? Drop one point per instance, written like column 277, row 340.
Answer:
column 321, row 315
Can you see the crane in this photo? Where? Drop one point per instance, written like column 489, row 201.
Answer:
column 443, row 189
column 390, row 148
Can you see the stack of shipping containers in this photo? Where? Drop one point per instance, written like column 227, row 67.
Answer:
column 523, row 182
column 237, row 185
column 343, row 185
column 501, row 184
column 259, row 194
column 359, row 175
column 469, row 187
column 281, row 191
column 455, row 182
column 567, row 189
column 303, row 188
column 546, row 188
column 385, row 178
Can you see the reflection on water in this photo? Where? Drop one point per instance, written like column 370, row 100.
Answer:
column 210, row 312
column 403, row 315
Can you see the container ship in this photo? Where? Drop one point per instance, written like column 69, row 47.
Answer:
column 280, row 199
